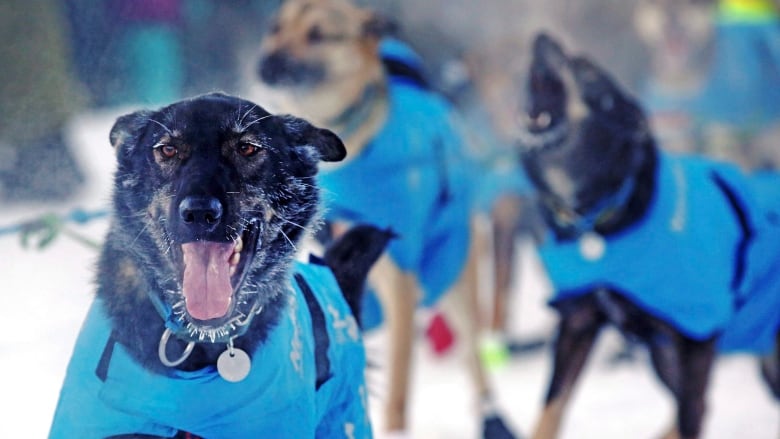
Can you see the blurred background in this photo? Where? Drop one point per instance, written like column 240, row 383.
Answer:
column 707, row 71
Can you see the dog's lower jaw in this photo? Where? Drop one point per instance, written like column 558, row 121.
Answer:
column 139, row 327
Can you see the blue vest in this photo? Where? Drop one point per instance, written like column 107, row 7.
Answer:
column 278, row 399
column 412, row 178
column 682, row 261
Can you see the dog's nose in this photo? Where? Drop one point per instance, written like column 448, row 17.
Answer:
column 200, row 213
column 271, row 67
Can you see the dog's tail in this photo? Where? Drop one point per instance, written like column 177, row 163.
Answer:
column 351, row 257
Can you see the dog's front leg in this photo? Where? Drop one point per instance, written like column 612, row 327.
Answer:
column 505, row 217
column 462, row 308
column 577, row 333
column 398, row 293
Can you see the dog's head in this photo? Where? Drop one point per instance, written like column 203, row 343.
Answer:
column 679, row 35
column 212, row 194
column 316, row 43
column 583, row 136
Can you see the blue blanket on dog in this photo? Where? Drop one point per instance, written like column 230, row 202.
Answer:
column 689, row 261
column 411, row 177
column 279, row 397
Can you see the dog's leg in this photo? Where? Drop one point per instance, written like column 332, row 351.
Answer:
column 698, row 358
column 577, row 333
column 461, row 305
column 398, row 293
column 684, row 366
column 770, row 368
column 505, row 216
column 665, row 358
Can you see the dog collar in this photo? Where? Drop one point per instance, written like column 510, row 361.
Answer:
column 176, row 324
column 233, row 364
column 567, row 218
column 354, row 116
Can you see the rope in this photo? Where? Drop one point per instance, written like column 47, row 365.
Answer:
column 44, row 229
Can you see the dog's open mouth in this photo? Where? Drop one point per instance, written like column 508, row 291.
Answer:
column 554, row 133
column 214, row 272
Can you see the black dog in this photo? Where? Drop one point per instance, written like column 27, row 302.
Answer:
column 671, row 250
column 203, row 323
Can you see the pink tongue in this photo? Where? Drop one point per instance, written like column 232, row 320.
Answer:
column 206, row 285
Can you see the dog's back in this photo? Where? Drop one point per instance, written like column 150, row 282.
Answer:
column 410, row 178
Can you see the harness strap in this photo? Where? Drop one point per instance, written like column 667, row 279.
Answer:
column 319, row 330
column 105, row 358
column 568, row 219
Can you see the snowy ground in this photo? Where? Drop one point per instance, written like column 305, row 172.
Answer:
column 44, row 296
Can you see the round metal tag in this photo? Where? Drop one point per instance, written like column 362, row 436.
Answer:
column 592, row 246
column 233, row 366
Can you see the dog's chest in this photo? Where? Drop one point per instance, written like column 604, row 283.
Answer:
column 279, row 395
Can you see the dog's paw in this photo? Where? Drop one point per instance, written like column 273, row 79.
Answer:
column 493, row 427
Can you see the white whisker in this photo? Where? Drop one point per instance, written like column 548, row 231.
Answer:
column 255, row 121
column 163, row 126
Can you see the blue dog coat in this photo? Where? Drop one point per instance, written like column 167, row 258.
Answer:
column 278, row 399
column 411, row 178
column 688, row 260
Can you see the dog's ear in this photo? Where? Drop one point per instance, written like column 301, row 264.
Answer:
column 126, row 128
column 378, row 25
column 325, row 145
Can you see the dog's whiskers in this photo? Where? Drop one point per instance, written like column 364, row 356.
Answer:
column 167, row 130
column 288, row 240
column 240, row 121
column 244, row 128
column 146, row 226
column 286, row 221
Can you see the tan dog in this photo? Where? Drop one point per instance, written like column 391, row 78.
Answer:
column 320, row 59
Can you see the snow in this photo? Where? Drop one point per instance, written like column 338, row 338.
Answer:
column 44, row 296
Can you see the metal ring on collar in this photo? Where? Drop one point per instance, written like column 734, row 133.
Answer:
column 164, row 357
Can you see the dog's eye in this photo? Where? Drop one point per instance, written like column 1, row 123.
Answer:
column 248, row 149
column 168, row 151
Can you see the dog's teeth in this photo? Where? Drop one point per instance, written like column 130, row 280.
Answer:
column 232, row 270
column 234, row 258
column 239, row 245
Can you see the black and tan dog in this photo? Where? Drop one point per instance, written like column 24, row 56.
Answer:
column 322, row 59
column 203, row 322
column 674, row 251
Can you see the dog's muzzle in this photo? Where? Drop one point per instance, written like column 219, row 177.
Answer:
column 280, row 69
column 532, row 140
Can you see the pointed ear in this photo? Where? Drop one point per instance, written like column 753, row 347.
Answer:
column 124, row 133
column 327, row 146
